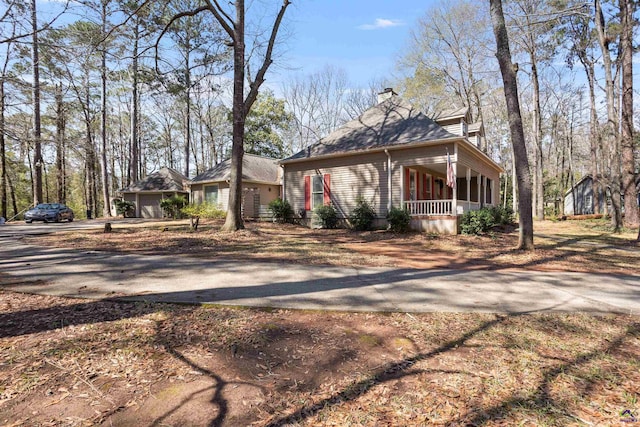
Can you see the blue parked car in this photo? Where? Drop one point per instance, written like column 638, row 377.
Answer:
column 48, row 212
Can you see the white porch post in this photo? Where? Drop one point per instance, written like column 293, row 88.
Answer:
column 389, row 182
column 484, row 190
column 454, row 165
column 402, row 184
column 493, row 192
column 479, row 186
column 468, row 188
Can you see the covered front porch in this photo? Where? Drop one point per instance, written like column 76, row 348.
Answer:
column 435, row 203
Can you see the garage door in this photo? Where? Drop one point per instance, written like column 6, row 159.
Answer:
column 150, row 205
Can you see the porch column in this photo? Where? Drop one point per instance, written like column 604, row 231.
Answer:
column 484, row 190
column 454, row 193
column 403, row 171
column 479, row 193
column 493, row 192
column 468, row 189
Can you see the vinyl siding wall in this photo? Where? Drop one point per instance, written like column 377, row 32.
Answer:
column 197, row 193
column 351, row 176
column 268, row 192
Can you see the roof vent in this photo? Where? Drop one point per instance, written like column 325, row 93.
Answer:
column 386, row 94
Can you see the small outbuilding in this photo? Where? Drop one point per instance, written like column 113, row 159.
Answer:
column 147, row 193
column 261, row 178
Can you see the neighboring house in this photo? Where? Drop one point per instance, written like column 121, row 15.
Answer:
column 147, row 193
column 395, row 156
column 580, row 199
column 261, row 178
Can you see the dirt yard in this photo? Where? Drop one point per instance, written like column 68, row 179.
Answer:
column 66, row 362
column 560, row 246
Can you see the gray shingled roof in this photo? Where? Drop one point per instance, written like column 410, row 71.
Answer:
column 392, row 122
column 474, row 127
column 254, row 168
column 166, row 179
column 452, row 113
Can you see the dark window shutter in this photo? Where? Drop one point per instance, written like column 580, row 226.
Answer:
column 407, row 180
column 327, row 189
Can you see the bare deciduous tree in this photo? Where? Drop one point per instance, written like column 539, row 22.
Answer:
column 627, row 8
column 507, row 68
column 233, row 23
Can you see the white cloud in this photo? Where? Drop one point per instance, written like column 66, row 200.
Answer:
column 381, row 23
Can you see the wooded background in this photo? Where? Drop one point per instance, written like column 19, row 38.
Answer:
column 103, row 92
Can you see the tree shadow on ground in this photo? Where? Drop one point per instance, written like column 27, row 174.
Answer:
column 539, row 400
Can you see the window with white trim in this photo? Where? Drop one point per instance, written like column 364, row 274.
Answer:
column 211, row 194
column 317, row 191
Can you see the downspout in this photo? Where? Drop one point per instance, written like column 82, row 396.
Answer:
column 388, row 180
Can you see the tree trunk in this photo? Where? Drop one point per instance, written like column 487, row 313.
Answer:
column 537, row 137
column 37, row 137
column 89, row 154
column 187, row 121
column 3, row 155
column 611, row 129
column 106, row 211
column 628, row 163
column 234, row 211
column 594, row 137
column 514, row 182
column 12, row 193
column 60, row 125
column 133, row 161
column 515, row 124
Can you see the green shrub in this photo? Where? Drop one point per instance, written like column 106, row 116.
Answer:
column 173, row 205
column 399, row 220
column 326, row 216
column 502, row 215
column 203, row 210
column 125, row 208
column 281, row 210
column 477, row 222
column 363, row 215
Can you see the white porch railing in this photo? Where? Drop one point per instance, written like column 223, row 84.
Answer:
column 439, row 207
column 468, row 206
column 429, row 207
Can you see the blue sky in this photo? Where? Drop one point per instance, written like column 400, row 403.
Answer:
column 363, row 37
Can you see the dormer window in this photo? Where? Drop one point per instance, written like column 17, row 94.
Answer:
column 464, row 128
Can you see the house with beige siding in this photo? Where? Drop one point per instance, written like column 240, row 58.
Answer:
column 395, row 156
column 261, row 178
column 147, row 193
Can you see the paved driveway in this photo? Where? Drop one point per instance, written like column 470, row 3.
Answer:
column 250, row 283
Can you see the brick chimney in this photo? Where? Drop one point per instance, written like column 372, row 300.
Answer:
column 386, row 94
